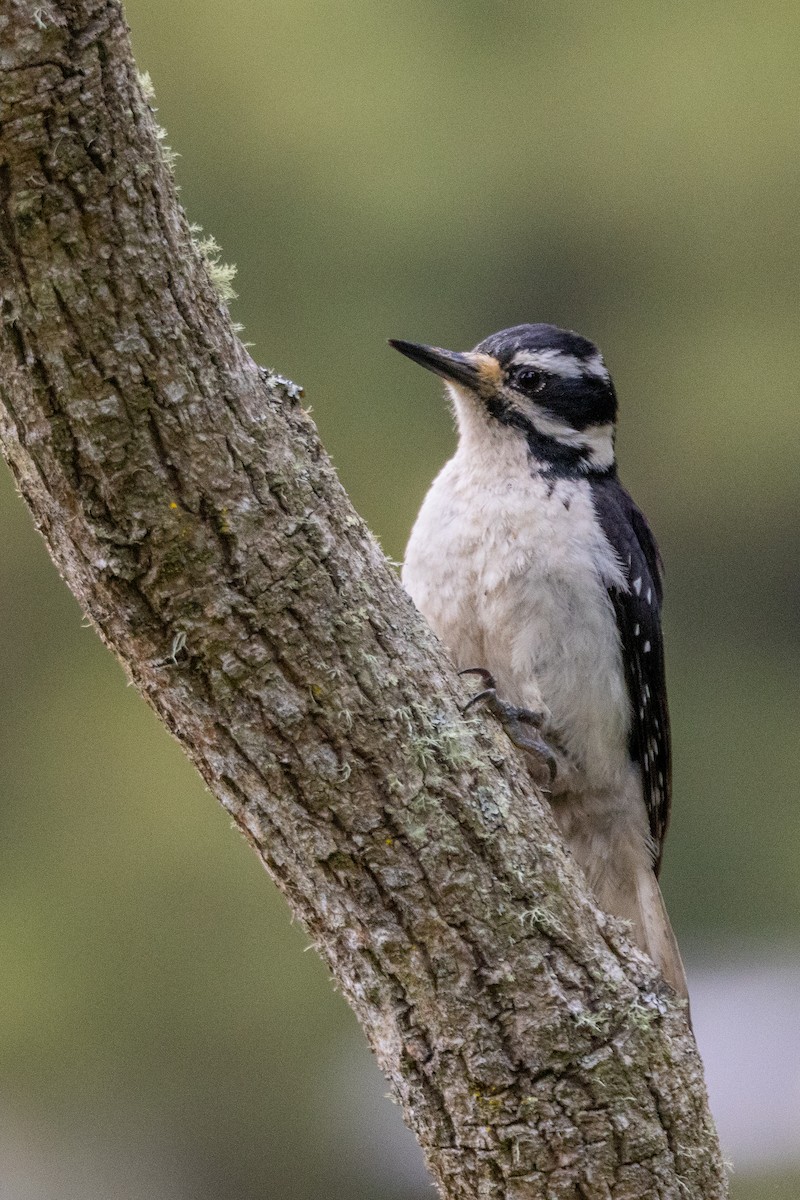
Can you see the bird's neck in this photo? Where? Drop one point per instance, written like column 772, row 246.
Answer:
column 543, row 442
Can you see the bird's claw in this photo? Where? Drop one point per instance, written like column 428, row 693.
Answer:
column 522, row 725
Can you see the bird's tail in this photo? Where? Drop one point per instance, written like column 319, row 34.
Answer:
column 640, row 902
column 658, row 937
column 608, row 835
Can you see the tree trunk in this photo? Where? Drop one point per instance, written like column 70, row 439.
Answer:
column 185, row 498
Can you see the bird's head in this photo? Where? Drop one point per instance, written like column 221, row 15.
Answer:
column 538, row 382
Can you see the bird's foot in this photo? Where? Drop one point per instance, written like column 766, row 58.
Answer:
column 522, row 725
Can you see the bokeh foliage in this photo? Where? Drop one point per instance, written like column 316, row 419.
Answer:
column 432, row 172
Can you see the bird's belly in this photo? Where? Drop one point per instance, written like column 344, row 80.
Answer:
column 517, row 590
column 563, row 651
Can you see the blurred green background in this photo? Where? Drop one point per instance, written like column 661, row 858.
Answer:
column 432, row 172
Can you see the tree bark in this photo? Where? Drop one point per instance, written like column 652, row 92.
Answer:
column 185, row 498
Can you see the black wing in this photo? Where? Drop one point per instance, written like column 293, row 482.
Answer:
column 638, row 612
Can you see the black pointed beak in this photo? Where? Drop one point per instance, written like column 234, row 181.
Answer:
column 456, row 368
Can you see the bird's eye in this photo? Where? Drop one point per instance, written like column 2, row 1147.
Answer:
column 528, row 380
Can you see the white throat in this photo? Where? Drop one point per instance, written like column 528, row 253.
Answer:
column 480, row 434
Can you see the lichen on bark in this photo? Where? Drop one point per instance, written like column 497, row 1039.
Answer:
column 184, row 496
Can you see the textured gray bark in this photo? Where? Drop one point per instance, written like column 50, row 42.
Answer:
column 186, row 500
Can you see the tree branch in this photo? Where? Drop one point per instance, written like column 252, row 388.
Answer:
column 185, row 498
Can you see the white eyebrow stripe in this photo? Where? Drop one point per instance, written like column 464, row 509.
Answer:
column 595, row 366
column 557, row 362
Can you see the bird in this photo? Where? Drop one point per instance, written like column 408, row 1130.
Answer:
column 537, row 570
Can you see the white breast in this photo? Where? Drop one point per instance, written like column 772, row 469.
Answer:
column 511, row 571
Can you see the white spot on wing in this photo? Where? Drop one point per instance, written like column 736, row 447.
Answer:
column 647, row 647
column 637, row 585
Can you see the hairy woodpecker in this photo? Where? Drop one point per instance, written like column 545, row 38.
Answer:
column 537, row 570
